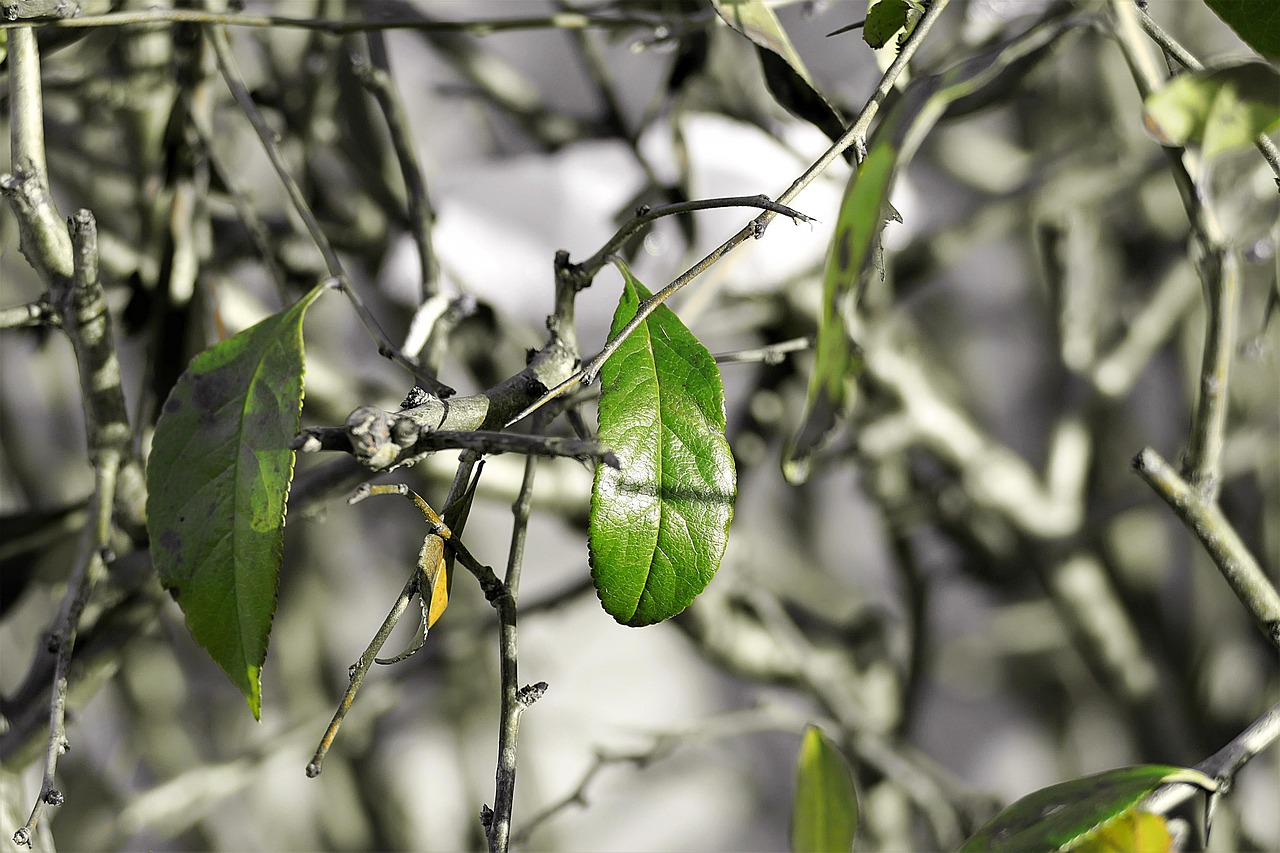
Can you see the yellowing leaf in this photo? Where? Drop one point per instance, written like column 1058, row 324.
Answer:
column 1132, row 832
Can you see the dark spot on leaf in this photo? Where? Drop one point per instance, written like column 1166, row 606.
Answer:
column 171, row 541
column 844, row 253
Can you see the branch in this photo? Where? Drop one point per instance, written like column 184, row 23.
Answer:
column 770, row 354
column 766, row 718
column 33, row 314
column 377, row 80
column 315, row 439
column 87, row 323
column 855, row 135
column 562, row 21
column 1218, row 266
column 231, row 73
column 1222, row 765
column 1205, row 519
column 515, row 699
column 644, row 215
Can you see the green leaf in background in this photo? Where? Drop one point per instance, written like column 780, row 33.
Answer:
column 824, row 810
column 660, row 522
column 1257, row 22
column 1220, row 109
column 884, row 20
column 218, row 478
column 785, row 74
column 1077, row 814
column 837, row 362
column 756, row 20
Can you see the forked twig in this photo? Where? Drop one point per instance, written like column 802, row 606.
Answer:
column 428, row 581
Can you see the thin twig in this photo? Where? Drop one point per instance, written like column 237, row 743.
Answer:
column 359, row 670
column 235, row 82
column 1115, row 373
column 377, row 80
column 855, row 135
column 514, row 698
column 38, row 313
column 316, row 439
column 1232, row 557
column 766, row 718
column 1223, row 764
column 645, row 215
column 771, row 354
column 564, row 21
column 87, row 323
column 417, row 584
column 1220, row 273
column 1218, row 266
column 259, row 234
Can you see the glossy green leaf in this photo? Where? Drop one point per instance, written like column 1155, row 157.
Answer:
column 1219, row 109
column 884, row 20
column 837, row 361
column 785, row 74
column 1257, row 22
column 824, row 810
column 1074, row 814
column 660, row 522
column 218, row 478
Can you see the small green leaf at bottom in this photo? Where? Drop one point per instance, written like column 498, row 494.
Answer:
column 1078, row 815
column 824, row 810
column 218, row 478
column 660, row 521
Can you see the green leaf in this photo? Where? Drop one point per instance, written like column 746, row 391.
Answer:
column 884, row 20
column 824, row 810
column 218, row 478
column 1220, row 109
column 1075, row 814
column 837, row 362
column 660, row 522
column 1257, row 22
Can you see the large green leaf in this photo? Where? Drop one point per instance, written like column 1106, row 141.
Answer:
column 824, row 810
column 837, row 363
column 1219, row 109
column 218, row 478
column 1257, row 22
column 660, row 521
column 1077, row 815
